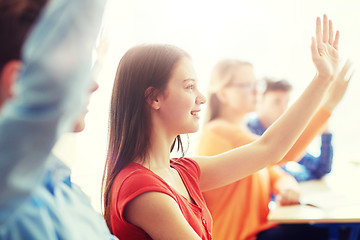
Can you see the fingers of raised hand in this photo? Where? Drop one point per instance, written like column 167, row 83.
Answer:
column 322, row 37
column 332, row 42
column 331, row 33
column 336, row 42
column 325, row 34
column 318, row 31
column 325, row 37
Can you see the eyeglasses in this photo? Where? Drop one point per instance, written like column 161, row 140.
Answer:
column 249, row 86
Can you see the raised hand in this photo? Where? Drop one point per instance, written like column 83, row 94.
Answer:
column 338, row 87
column 324, row 48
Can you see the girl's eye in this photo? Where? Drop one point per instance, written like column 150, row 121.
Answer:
column 191, row 87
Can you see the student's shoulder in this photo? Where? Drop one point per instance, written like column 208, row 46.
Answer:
column 187, row 166
column 135, row 177
column 135, row 171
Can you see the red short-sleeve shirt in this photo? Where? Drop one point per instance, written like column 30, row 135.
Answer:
column 135, row 179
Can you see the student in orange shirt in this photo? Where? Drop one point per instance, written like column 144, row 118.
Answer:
column 240, row 209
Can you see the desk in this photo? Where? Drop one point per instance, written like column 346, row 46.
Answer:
column 333, row 209
column 307, row 214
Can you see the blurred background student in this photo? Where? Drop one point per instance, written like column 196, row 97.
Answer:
column 274, row 101
column 240, row 209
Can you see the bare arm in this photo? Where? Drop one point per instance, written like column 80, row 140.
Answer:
column 159, row 215
column 233, row 165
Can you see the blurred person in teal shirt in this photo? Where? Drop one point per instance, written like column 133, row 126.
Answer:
column 45, row 83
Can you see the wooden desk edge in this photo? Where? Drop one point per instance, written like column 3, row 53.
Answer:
column 312, row 221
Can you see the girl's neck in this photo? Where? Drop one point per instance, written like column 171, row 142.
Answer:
column 158, row 156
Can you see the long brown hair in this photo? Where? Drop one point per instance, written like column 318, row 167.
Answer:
column 222, row 74
column 142, row 67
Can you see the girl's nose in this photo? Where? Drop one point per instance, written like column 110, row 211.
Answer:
column 94, row 87
column 201, row 99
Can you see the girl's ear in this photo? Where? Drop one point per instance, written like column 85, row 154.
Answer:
column 151, row 97
column 8, row 77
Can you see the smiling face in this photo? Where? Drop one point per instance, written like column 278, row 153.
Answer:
column 179, row 104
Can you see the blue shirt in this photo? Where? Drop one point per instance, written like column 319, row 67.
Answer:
column 37, row 198
column 309, row 167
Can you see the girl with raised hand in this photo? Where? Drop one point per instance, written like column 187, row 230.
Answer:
column 155, row 98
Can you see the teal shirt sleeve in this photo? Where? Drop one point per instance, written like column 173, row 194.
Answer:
column 50, row 94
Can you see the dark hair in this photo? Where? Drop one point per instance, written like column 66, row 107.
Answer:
column 222, row 74
column 142, row 67
column 276, row 85
column 16, row 19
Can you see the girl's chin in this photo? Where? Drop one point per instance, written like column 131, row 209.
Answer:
column 193, row 129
